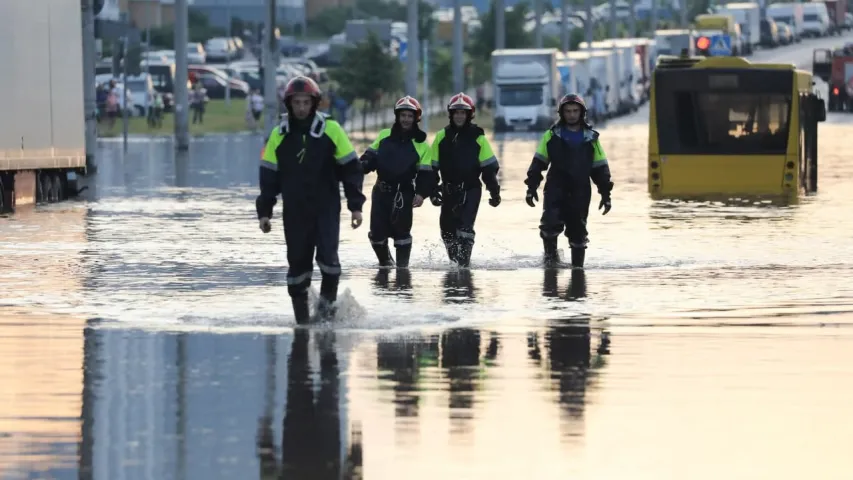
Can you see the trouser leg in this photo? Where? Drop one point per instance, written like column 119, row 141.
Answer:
column 401, row 228
column 328, row 239
column 447, row 222
column 465, row 228
column 380, row 227
column 575, row 218
column 551, row 225
column 299, row 236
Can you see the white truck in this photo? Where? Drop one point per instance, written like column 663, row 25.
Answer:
column 623, row 68
column 789, row 13
column 581, row 73
column 527, row 87
column 602, row 68
column 748, row 16
column 568, row 69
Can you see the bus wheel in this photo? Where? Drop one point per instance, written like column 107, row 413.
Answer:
column 42, row 188
column 55, row 191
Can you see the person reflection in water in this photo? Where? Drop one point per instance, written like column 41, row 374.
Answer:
column 568, row 343
column 459, row 286
column 402, row 282
column 399, row 362
column 577, row 285
column 460, row 359
column 311, row 433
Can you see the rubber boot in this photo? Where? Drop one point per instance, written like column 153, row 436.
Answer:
column 451, row 244
column 403, row 254
column 463, row 257
column 300, row 309
column 577, row 257
column 383, row 254
column 328, row 297
column 551, row 257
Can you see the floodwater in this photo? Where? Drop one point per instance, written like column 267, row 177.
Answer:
column 146, row 333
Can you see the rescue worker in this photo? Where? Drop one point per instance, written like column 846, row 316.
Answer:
column 460, row 157
column 395, row 156
column 305, row 158
column 572, row 150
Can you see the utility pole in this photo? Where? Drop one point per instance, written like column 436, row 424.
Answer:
column 124, row 119
column 228, row 60
column 612, row 4
column 588, row 23
column 458, row 81
column 500, row 25
column 270, row 52
column 564, row 25
column 181, row 103
column 412, row 50
column 426, row 97
column 89, row 103
column 537, row 19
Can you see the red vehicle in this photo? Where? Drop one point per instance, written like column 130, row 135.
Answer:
column 835, row 67
column 837, row 10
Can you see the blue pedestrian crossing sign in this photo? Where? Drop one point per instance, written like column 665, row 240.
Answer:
column 403, row 50
column 721, row 45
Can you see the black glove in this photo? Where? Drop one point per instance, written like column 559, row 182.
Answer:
column 494, row 198
column 435, row 199
column 531, row 196
column 605, row 198
column 605, row 204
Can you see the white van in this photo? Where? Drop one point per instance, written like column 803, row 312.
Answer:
column 790, row 14
column 816, row 21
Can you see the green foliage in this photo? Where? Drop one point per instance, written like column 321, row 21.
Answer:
column 199, row 31
column 483, row 42
column 332, row 21
column 441, row 72
column 576, row 36
column 367, row 72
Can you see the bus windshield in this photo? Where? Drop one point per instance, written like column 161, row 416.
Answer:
column 723, row 118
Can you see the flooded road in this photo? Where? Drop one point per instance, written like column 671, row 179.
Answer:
column 146, row 333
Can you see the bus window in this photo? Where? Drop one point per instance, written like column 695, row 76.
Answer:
column 723, row 123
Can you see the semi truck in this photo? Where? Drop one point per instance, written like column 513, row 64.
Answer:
column 527, row 87
column 42, row 131
column 835, row 67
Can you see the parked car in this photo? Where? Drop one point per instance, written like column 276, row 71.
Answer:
column 196, row 53
column 216, row 87
column 769, row 33
column 220, row 49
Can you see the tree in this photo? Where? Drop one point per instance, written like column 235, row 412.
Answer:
column 441, row 72
column 367, row 71
column 483, row 42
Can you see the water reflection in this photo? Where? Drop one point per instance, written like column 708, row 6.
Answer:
column 576, row 289
column 459, row 287
column 402, row 286
column 460, row 359
column 312, row 437
column 401, row 361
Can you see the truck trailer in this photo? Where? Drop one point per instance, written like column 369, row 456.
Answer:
column 42, row 124
column 527, row 87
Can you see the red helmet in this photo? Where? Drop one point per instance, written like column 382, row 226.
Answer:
column 460, row 101
column 411, row 104
column 302, row 85
column 571, row 98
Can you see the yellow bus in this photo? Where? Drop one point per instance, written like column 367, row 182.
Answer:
column 722, row 128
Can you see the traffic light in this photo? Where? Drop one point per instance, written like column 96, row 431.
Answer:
column 702, row 45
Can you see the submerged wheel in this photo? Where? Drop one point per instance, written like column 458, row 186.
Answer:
column 42, row 188
column 55, row 192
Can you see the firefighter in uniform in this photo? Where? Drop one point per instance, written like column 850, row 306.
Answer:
column 395, row 156
column 305, row 159
column 574, row 154
column 460, row 156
